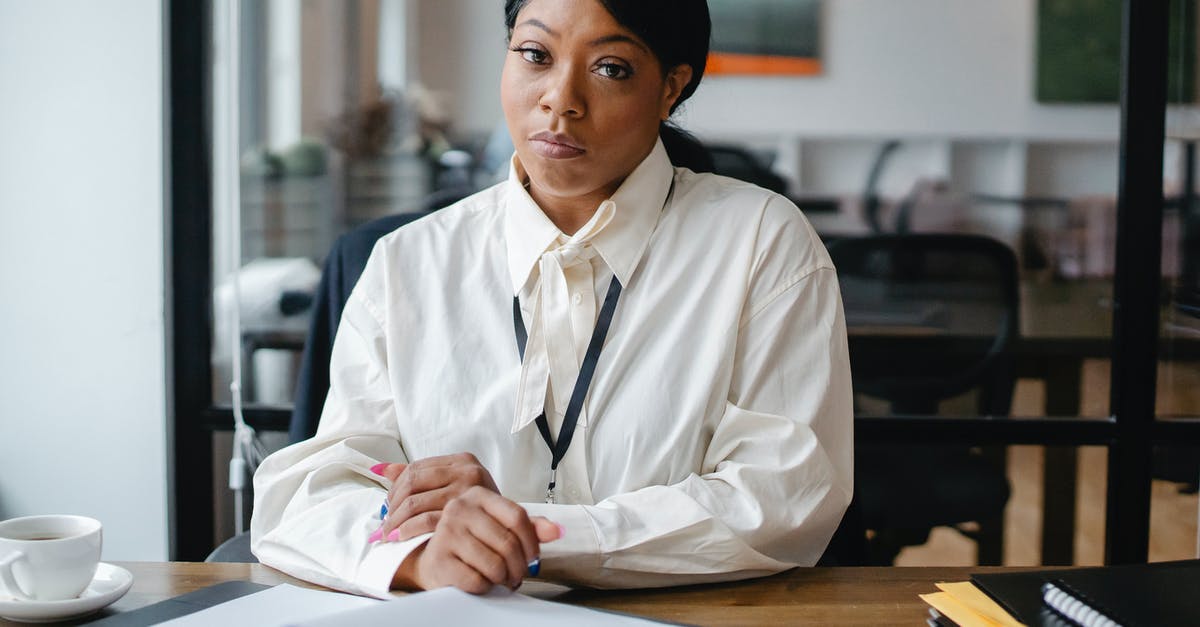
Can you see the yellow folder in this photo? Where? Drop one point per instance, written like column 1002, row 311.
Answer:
column 968, row 606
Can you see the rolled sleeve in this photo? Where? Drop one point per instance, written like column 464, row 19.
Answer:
column 317, row 502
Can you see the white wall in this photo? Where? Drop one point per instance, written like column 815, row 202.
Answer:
column 953, row 79
column 942, row 68
column 946, row 68
column 460, row 47
column 82, row 374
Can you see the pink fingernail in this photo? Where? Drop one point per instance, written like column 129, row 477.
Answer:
column 394, row 536
column 379, row 468
column 375, row 537
column 562, row 531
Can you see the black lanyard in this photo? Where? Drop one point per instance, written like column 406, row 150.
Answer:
column 558, row 447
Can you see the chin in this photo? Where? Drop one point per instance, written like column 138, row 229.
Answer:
column 563, row 178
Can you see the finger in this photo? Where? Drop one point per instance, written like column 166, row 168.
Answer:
column 504, row 543
column 547, row 530
column 513, row 517
column 393, row 471
column 383, row 468
column 414, row 504
column 479, row 556
column 418, row 479
column 447, row 460
column 462, row 576
column 415, row 526
column 468, row 466
column 476, row 474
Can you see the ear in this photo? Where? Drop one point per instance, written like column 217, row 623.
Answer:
column 677, row 79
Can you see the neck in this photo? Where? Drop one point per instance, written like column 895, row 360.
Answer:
column 569, row 214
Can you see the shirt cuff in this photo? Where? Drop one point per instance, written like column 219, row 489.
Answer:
column 579, row 548
column 378, row 568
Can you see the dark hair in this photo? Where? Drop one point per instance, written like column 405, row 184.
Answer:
column 677, row 32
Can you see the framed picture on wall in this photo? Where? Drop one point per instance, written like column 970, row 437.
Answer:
column 771, row 37
column 1079, row 51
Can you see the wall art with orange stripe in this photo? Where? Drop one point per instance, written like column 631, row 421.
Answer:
column 766, row 37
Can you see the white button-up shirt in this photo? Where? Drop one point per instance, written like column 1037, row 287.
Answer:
column 715, row 441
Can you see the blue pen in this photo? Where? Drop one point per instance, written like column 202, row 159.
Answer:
column 378, row 534
column 383, row 509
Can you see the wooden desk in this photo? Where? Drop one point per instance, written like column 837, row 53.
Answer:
column 803, row 596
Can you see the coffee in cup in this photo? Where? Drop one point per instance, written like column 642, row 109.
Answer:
column 48, row 558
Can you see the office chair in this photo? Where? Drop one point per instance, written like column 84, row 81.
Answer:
column 870, row 196
column 235, row 549
column 739, row 163
column 343, row 266
column 931, row 317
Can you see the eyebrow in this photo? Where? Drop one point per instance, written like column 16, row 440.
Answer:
column 607, row 39
column 538, row 23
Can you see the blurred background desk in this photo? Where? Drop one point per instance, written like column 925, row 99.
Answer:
column 803, row 596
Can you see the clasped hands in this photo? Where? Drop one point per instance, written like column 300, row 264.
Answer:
column 480, row 539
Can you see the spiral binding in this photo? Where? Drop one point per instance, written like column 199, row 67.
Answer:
column 1071, row 608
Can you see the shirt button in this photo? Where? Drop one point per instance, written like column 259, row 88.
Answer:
column 573, row 493
column 578, row 298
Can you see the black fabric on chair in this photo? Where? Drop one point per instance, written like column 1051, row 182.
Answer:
column 739, row 163
column 235, row 549
column 931, row 317
column 343, row 266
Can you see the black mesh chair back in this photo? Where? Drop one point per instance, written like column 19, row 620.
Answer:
column 931, row 317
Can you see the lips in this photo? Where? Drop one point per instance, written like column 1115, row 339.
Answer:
column 555, row 145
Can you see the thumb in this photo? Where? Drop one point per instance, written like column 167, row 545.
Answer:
column 547, row 530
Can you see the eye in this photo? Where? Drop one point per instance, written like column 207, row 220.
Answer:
column 615, row 71
column 532, row 55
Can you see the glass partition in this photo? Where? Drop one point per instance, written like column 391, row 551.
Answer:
column 1176, row 467
column 1000, row 121
column 334, row 130
column 1025, row 532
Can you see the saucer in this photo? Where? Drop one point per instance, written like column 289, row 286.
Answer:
column 110, row 583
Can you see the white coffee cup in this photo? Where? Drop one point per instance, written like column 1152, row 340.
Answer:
column 48, row 558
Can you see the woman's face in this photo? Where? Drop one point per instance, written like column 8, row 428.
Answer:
column 582, row 96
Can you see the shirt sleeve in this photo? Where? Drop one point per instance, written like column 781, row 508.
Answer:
column 776, row 478
column 316, row 502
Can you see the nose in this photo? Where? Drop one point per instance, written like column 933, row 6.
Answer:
column 563, row 95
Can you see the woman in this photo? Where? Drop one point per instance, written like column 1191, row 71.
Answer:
column 672, row 343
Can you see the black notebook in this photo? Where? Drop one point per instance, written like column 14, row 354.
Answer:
column 180, row 605
column 1160, row 595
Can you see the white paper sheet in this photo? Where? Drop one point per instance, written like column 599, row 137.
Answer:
column 284, row 604
column 450, row 606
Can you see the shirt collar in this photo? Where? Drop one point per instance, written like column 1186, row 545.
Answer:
column 638, row 202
